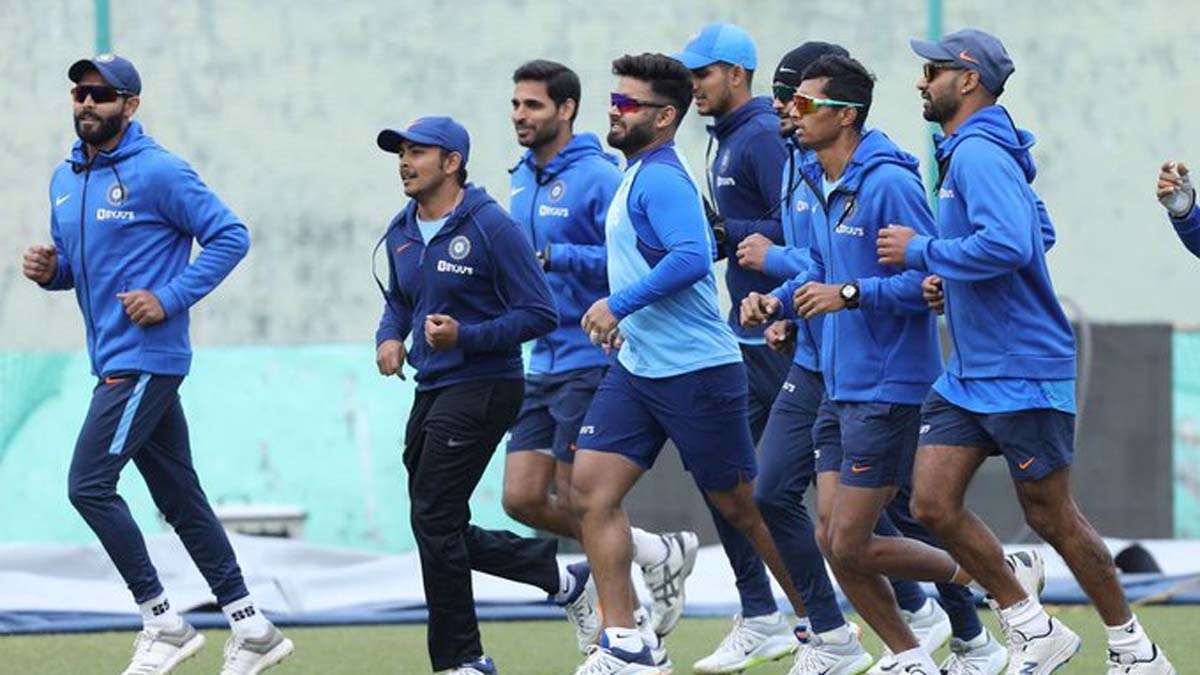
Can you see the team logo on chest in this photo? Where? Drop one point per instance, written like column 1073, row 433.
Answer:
column 116, row 194
column 557, row 190
column 460, row 247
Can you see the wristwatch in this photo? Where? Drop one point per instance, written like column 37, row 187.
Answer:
column 850, row 294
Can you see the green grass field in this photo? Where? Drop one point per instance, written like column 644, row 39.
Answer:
column 519, row 648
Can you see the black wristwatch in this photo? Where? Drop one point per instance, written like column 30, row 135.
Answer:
column 850, row 294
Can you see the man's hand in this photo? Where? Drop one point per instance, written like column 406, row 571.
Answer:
column 441, row 332
column 892, row 243
column 390, row 358
column 752, row 252
column 780, row 334
column 934, row 294
column 758, row 308
column 142, row 307
column 813, row 299
column 1175, row 191
column 600, row 324
column 39, row 263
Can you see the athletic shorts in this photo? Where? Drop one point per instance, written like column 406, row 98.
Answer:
column 553, row 411
column 702, row 412
column 869, row 444
column 1035, row 442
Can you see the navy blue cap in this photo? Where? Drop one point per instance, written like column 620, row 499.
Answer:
column 118, row 72
column 442, row 132
column 974, row 50
column 719, row 42
column 794, row 63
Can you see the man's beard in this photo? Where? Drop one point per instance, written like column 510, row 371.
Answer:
column 635, row 138
column 108, row 129
column 939, row 111
column 542, row 136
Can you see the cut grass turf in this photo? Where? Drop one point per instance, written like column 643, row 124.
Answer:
column 519, row 648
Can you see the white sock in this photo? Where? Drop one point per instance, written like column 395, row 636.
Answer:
column 917, row 656
column 1129, row 638
column 649, row 637
column 648, row 548
column 1026, row 616
column 979, row 641
column 566, row 585
column 245, row 619
column 837, row 636
column 158, row 613
column 625, row 639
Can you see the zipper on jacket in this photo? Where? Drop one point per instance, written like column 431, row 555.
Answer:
column 87, row 287
column 537, row 188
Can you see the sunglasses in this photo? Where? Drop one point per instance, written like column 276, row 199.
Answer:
column 627, row 104
column 783, row 93
column 806, row 105
column 99, row 93
column 934, row 68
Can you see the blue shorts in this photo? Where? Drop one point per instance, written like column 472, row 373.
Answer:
column 553, row 411
column 1035, row 443
column 702, row 412
column 870, row 444
column 827, row 437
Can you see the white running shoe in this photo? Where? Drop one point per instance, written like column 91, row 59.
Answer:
column 157, row 651
column 601, row 661
column 250, row 656
column 581, row 606
column 823, row 658
column 1030, row 570
column 1123, row 664
column 480, row 666
column 749, row 643
column 666, row 580
column 930, row 625
column 1043, row 652
column 987, row 659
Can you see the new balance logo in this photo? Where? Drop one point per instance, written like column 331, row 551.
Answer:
column 161, row 608
column 946, row 193
column 242, row 614
column 788, row 386
column 587, row 429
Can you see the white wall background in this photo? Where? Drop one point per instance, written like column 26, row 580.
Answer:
column 277, row 105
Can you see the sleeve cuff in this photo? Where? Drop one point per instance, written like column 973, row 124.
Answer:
column 170, row 301
column 914, row 254
column 467, row 337
column 773, row 262
column 618, row 306
column 868, row 292
column 1186, row 221
column 786, row 308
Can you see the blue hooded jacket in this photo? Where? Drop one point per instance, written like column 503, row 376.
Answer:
column 561, row 209
column 792, row 258
column 990, row 251
column 1188, row 229
column 478, row 269
column 886, row 350
column 126, row 221
column 744, row 181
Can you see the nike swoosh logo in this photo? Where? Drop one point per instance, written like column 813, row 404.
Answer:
column 115, row 380
column 859, row 469
column 967, row 57
column 58, row 201
column 457, row 444
column 400, row 249
column 516, row 191
column 784, row 69
column 1025, row 465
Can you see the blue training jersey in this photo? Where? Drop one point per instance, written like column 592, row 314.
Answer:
column 660, row 271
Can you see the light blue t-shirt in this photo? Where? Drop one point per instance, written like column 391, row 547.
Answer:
column 828, row 186
column 430, row 228
column 1006, row 394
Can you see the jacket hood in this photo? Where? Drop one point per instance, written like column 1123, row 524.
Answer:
column 874, row 149
column 474, row 199
column 726, row 124
column 581, row 146
column 996, row 125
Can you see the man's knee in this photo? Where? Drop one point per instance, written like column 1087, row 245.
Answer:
column 848, row 549
column 933, row 510
column 85, row 495
column 521, row 504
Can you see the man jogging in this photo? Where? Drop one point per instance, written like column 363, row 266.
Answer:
column 124, row 213
column 1009, row 387
column 464, row 282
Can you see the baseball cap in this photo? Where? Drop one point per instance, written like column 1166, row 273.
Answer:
column 442, row 132
column 722, row 42
column 794, row 63
column 974, row 50
column 117, row 71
